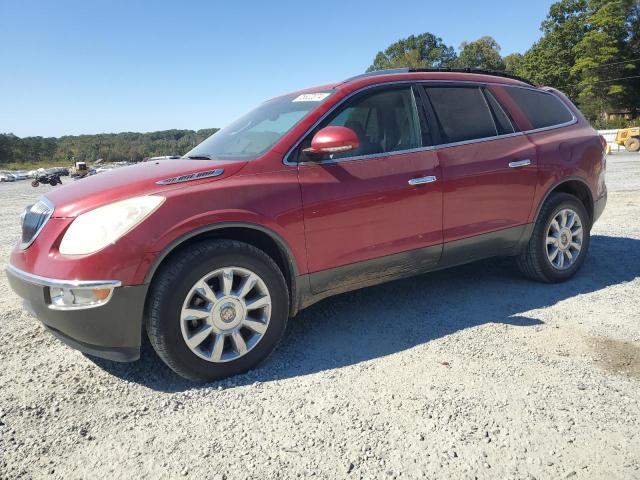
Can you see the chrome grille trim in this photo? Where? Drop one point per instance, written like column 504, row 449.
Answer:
column 54, row 282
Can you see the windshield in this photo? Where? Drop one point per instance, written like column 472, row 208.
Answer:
column 257, row 131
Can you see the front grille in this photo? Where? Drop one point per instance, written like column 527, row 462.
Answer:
column 33, row 219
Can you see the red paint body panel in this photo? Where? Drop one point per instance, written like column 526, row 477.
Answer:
column 328, row 215
column 75, row 198
column 481, row 193
column 569, row 152
column 363, row 209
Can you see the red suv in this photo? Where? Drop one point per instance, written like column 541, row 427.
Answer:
column 314, row 193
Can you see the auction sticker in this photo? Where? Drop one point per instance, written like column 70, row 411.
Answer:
column 311, row 97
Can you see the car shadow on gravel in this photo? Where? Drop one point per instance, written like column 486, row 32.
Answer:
column 386, row 319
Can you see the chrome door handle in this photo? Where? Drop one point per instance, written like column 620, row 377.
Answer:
column 422, row 180
column 520, row 163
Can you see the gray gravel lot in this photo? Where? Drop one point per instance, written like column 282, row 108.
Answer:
column 473, row 372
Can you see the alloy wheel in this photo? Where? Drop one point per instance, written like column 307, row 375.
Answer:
column 564, row 239
column 225, row 314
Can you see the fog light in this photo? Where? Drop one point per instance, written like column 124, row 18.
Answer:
column 69, row 298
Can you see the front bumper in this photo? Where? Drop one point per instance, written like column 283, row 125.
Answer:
column 112, row 331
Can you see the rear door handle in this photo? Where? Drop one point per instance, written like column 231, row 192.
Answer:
column 520, row 163
column 422, row 180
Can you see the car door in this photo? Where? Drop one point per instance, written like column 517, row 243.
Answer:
column 489, row 172
column 377, row 211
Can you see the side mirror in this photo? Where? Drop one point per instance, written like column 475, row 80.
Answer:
column 333, row 140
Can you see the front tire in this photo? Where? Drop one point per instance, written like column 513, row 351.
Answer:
column 559, row 242
column 216, row 309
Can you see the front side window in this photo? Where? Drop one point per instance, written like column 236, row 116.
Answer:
column 462, row 113
column 256, row 132
column 385, row 121
column 541, row 108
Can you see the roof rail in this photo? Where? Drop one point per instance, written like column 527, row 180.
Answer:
column 387, row 71
column 391, row 71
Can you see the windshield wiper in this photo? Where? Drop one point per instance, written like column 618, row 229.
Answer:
column 200, row 157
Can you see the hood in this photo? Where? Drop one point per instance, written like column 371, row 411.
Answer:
column 94, row 191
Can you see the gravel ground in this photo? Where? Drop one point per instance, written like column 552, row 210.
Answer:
column 473, row 372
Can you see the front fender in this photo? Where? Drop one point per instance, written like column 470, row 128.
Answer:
column 268, row 202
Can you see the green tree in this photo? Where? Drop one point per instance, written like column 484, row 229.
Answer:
column 588, row 50
column 125, row 146
column 416, row 51
column 604, row 58
column 483, row 53
column 549, row 60
column 512, row 63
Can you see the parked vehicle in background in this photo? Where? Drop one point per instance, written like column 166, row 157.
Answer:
column 48, row 178
column 60, row 171
column 7, row 177
column 629, row 138
column 20, row 175
column 79, row 170
column 311, row 194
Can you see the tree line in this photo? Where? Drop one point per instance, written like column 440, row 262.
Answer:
column 589, row 49
column 112, row 147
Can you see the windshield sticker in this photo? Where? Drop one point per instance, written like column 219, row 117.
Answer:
column 311, row 97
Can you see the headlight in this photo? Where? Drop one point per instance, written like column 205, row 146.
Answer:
column 94, row 230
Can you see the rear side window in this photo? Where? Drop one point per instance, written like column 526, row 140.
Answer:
column 462, row 112
column 542, row 109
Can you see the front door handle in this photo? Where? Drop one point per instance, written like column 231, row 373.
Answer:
column 520, row 163
column 422, row 180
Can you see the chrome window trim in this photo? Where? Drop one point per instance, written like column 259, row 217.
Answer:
column 51, row 207
column 486, row 93
column 287, row 162
column 493, row 120
column 56, row 283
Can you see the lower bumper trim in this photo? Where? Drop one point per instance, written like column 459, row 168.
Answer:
column 115, row 354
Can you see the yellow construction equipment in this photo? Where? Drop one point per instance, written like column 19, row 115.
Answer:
column 629, row 138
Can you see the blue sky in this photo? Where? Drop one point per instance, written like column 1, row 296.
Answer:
column 90, row 66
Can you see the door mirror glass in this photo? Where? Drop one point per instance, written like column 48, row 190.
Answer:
column 333, row 139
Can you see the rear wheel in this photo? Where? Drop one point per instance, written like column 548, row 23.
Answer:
column 632, row 144
column 217, row 309
column 35, row 183
column 559, row 242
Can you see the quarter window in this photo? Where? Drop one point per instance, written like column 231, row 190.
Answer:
column 385, row 121
column 541, row 108
column 462, row 112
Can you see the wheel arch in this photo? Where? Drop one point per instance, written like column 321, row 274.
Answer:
column 256, row 235
column 575, row 186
